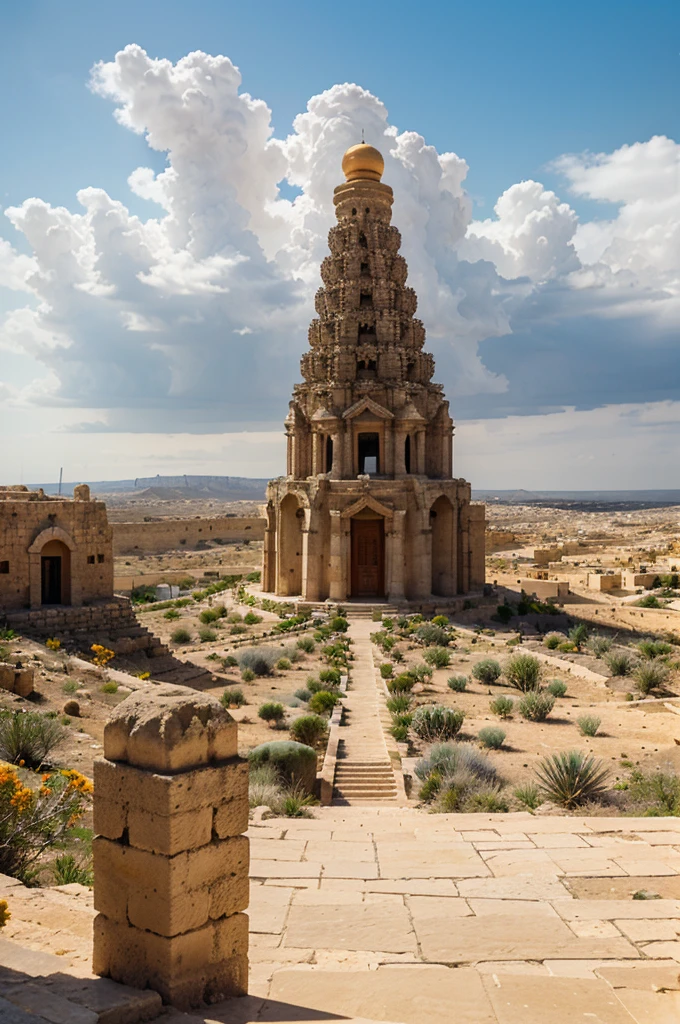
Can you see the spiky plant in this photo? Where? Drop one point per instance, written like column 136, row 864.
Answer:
column 589, row 724
column 572, row 778
column 557, row 688
column 620, row 663
column 487, row 671
column 502, row 706
column 436, row 722
column 649, row 675
column 523, row 671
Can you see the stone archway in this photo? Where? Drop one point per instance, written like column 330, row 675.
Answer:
column 443, row 547
column 50, row 568
column 289, row 548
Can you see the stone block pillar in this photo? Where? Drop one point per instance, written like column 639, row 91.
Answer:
column 170, row 859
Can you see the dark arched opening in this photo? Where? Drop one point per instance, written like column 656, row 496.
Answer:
column 407, row 453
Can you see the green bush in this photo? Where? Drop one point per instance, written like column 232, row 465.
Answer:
column 70, row 686
column 406, row 718
column 323, row 702
column 648, row 601
column 283, row 664
column 271, row 711
column 171, row 614
column 430, row 634
column 387, row 670
column 260, row 660
column 209, row 615
column 648, row 676
column 436, row 722
column 553, row 640
column 523, row 671
column 247, row 675
column 308, row 729
column 588, row 724
column 306, row 644
column 295, row 763
column 230, row 661
column 251, row 618
column 303, row 694
column 206, row 635
column 653, row 649
column 579, row 633
column 233, row 697
column 448, row 758
column 437, row 657
column 28, row 737
column 399, row 732
column 620, row 663
column 339, row 624
column 536, row 705
column 399, row 703
column 403, row 683
column 486, row 800
column 330, row 675
column 458, row 777
column 440, row 620
column 110, row 687
column 557, row 688
column 457, row 683
column 421, row 672
column 599, row 645
column 572, row 778
column 529, row 794
column 66, row 870
column 492, row 737
column 502, row 706
column 655, row 794
column 504, row 612
column 487, row 671
column 181, row 635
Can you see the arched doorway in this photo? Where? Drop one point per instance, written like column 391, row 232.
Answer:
column 55, row 573
column 291, row 519
column 367, row 554
column 441, row 521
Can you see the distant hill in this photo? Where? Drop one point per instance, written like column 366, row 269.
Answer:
column 227, row 488
column 591, row 501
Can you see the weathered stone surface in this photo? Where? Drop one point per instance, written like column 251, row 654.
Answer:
column 535, row 1000
column 342, row 926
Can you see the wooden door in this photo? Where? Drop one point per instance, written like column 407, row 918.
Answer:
column 51, row 579
column 368, row 558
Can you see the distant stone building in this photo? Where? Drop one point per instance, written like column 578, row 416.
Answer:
column 369, row 507
column 53, row 551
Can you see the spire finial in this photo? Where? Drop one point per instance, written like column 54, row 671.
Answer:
column 363, row 140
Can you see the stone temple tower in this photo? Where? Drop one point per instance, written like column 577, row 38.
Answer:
column 369, row 508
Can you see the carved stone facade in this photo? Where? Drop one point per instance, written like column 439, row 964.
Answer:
column 369, row 507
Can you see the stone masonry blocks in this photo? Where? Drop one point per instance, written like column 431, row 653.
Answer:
column 170, row 860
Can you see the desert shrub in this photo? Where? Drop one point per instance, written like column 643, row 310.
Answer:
column 403, row 718
column 303, row 694
column 653, row 649
column 70, row 686
column 619, row 663
column 330, row 675
column 648, row 601
column 294, row 763
column 323, row 702
column 536, row 705
column 399, row 732
column 440, row 620
column 398, row 704
column 437, row 657
column 271, row 711
column 396, row 655
column 492, row 737
column 436, row 722
column 209, row 615
column 387, row 670
column 308, row 729
column 430, row 634
column 655, row 794
column 252, row 618
column 523, row 671
column 588, row 724
column 283, row 664
column 648, row 676
column 181, row 635
column 207, row 635
column 502, row 706
column 230, row 661
column 234, row 697
column 247, row 675
column 447, row 758
column 296, row 804
column 66, row 870
column 529, row 794
column 578, row 634
column 264, row 787
column 28, row 737
column 567, row 646
column 457, row 683
column 552, row 640
column 599, row 645
column 487, row 671
column 237, row 630
column 402, row 683
column 260, row 660
column 306, row 644
column 487, row 800
column 110, row 687
column 504, row 612
column 171, row 614
column 234, row 617
column 557, row 688
column 314, row 685
column 463, row 779
column 339, row 624
column 572, row 778
column 422, row 672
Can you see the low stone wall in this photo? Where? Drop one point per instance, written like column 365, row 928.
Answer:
column 16, row 679
column 175, row 534
column 170, row 860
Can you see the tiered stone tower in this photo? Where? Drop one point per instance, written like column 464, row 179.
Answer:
column 369, row 507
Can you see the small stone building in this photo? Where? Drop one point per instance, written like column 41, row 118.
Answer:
column 369, row 507
column 53, row 551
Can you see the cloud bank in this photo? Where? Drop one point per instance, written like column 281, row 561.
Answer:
column 194, row 318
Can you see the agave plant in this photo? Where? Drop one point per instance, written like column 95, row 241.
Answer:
column 572, row 778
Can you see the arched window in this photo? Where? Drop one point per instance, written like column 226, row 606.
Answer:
column 407, row 453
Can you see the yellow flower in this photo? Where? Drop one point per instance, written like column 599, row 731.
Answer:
column 4, row 913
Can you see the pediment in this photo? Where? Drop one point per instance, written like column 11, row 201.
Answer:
column 368, row 501
column 367, row 405
column 410, row 414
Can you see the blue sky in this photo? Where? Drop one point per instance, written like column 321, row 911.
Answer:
column 510, row 88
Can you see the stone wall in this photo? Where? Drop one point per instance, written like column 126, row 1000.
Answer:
column 154, row 538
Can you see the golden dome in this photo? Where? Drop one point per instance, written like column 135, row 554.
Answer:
column 363, row 161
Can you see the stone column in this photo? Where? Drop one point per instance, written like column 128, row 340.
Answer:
column 337, row 468
column 388, row 450
column 399, row 457
column 395, row 591
column 34, row 579
column 348, row 467
column 316, row 447
column 420, row 452
column 170, row 860
column 337, row 590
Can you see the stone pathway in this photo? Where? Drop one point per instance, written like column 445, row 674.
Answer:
column 389, row 914
column 363, row 773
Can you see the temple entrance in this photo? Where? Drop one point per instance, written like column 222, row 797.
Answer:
column 55, row 573
column 368, row 555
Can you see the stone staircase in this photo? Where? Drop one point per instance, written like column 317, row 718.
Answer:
column 360, row 782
